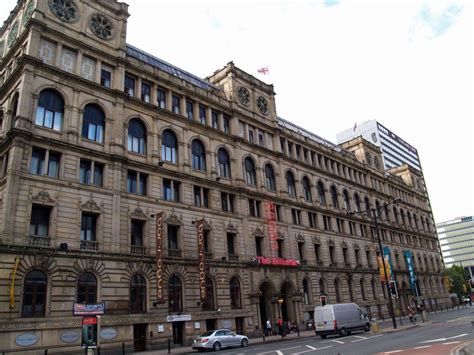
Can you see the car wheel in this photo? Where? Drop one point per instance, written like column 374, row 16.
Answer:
column 201, row 350
column 323, row 336
column 349, row 332
column 244, row 343
column 216, row 346
column 367, row 328
column 343, row 332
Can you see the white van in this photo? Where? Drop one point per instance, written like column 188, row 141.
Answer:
column 339, row 318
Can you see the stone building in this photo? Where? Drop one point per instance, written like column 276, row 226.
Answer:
column 99, row 141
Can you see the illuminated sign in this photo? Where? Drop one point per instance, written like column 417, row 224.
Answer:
column 262, row 260
column 270, row 213
column 159, row 258
column 88, row 309
column 201, row 260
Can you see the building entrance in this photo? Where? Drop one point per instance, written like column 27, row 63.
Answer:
column 265, row 306
column 178, row 330
column 139, row 337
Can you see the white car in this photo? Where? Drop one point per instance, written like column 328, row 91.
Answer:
column 218, row 339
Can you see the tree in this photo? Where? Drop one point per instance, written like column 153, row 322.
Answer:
column 456, row 280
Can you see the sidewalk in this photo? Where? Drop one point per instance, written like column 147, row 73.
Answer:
column 385, row 326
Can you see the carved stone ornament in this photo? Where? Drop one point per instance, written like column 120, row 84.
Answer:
column 13, row 34
column 258, row 232
column 101, row 26
column 43, row 199
column 1, row 49
column 262, row 105
column 316, row 240
column 231, row 228
column 331, row 242
column 28, row 11
column 91, row 206
column 243, row 95
column 173, row 220
column 207, row 226
column 65, row 10
column 138, row 213
column 280, row 236
column 300, row 238
column 344, row 244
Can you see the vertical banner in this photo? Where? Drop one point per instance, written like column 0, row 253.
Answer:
column 270, row 215
column 387, row 254
column 411, row 271
column 387, row 267
column 201, row 260
column 159, row 258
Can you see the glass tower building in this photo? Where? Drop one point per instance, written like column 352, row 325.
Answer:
column 456, row 238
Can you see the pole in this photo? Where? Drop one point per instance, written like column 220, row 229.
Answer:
column 390, row 302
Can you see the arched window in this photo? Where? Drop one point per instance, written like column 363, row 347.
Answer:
column 306, row 189
column 235, row 298
column 395, row 214
column 337, row 290
column 367, row 206
column 174, row 294
column 335, row 203
column 373, row 285
column 199, row 155
column 357, row 202
column 87, row 288
column 137, row 294
column 402, row 215
column 34, row 294
column 270, row 177
column 209, row 304
column 50, row 110
column 250, row 175
column 93, row 123
column 224, row 163
column 306, row 291
column 362, row 290
column 321, row 194
column 345, row 197
column 290, row 184
column 136, row 137
column 169, row 147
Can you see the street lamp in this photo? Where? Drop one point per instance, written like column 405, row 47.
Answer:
column 376, row 213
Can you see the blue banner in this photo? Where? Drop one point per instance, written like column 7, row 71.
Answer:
column 386, row 253
column 411, row 271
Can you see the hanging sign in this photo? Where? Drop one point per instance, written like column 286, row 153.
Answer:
column 201, row 260
column 88, row 309
column 270, row 214
column 159, row 258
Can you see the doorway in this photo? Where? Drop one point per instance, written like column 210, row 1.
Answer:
column 211, row 324
column 178, row 330
column 265, row 304
column 239, row 325
column 139, row 337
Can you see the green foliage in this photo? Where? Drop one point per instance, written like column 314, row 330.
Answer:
column 456, row 280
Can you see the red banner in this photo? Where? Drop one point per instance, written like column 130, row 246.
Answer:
column 201, row 260
column 270, row 214
column 159, row 258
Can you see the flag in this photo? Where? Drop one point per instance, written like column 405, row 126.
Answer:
column 264, row 71
column 355, row 126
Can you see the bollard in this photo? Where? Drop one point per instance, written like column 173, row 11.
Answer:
column 46, row 352
column 98, row 350
column 85, row 350
column 123, row 348
column 298, row 330
column 263, row 335
column 169, row 345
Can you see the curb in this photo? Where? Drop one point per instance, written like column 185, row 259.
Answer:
column 459, row 350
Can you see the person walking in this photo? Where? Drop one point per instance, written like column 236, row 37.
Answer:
column 280, row 326
column 410, row 314
column 268, row 325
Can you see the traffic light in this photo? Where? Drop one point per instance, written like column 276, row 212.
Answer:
column 393, row 289
column 323, row 300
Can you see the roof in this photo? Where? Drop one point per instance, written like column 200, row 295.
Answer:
column 169, row 68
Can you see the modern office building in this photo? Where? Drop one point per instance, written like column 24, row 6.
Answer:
column 456, row 238
column 395, row 151
column 174, row 204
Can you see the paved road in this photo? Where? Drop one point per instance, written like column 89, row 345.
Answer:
column 444, row 332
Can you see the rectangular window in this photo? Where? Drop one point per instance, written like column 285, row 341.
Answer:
column 39, row 224
column 305, row 155
column 368, row 257
column 282, row 145
column 254, row 208
column 88, row 227
column 340, row 225
column 175, row 101
column 301, row 250
column 251, row 135
column 327, row 223
column 146, row 89
column 173, row 238
column 231, row 244
column 290, row 149
column 351, row 228
column 331, row 253
column 344, row 255
column 137, row 233
column 298, row 152
column 278, row 213
column 261, row 141
column 106, row 77
column 296, row 215
column 201, row 196
column 161, row 98
column 317, row 252
column 136, row 183
column 190, row 109
column 38, row 157
column 226, row 123
column 227, row 202
column 215, row 119
column 91, row 173
column 171, row 190
column 258, row 246
column 53, row 164
column 363, row 230
column 280, row 248
column 202, row 114
column 129, row 87
column 312, row 219
column 357, row 256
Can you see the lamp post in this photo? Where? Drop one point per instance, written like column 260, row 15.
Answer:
column 376, row 212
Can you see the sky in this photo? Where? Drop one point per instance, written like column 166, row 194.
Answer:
column 335, row 63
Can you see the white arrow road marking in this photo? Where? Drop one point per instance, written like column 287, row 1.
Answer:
column 393, row 351
column 375, row 336
column 313, row 349
column 452, row 342
column 279, row 352
column 424, row 346
column 443, row 339
column 338, row 341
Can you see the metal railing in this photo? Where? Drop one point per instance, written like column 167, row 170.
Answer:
column 39, row 241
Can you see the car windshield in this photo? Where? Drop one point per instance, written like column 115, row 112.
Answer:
column 207, row 334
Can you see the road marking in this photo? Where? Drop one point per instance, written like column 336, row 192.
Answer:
column 311, row 347
column 424, row 346
column 443, row 339
column 360, row 337
column 375, row 336
column 338, row 341
column 393, row 351
column 452, row 342
column 279, row 352
column 454, row 320
column 457, row 336
column 314, row 349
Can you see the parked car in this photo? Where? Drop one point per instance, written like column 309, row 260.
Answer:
column 339, row 318
column 218, row 339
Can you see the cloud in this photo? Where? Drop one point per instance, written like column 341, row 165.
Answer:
column 431, row 23
column 329, row 3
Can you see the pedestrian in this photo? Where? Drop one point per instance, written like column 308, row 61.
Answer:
column 410, row 314
column 269, row 327
column 280, row 326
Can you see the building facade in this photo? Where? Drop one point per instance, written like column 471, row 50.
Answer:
column 395, row 150
column 182, row 204
column 456, row 238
